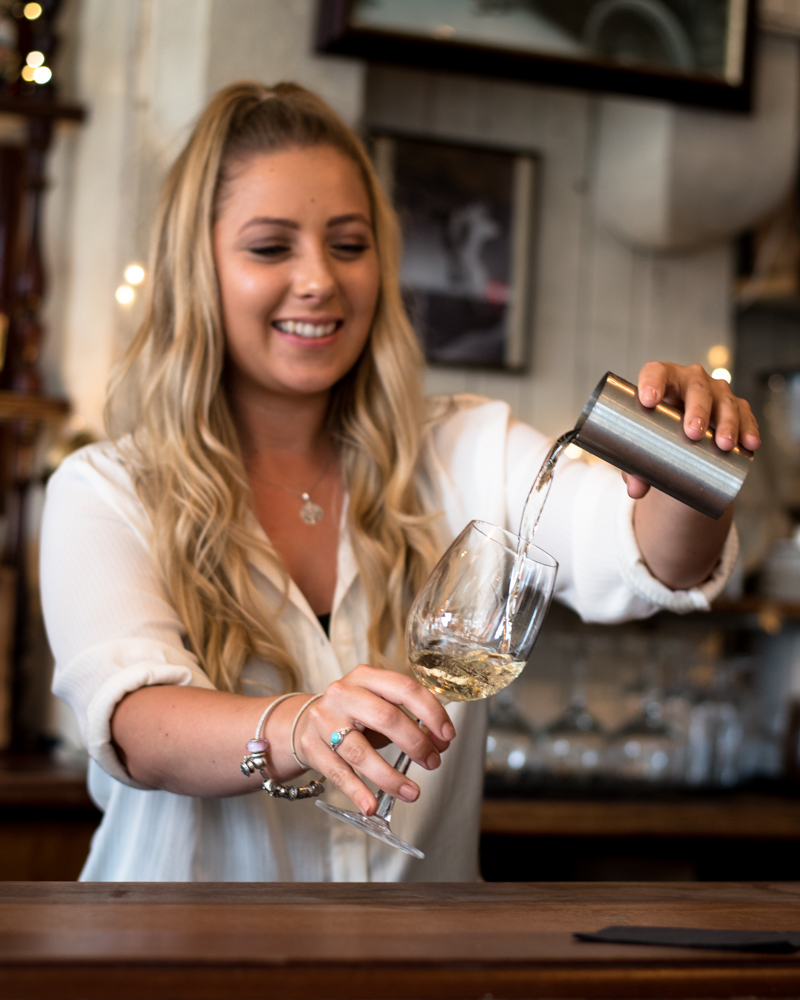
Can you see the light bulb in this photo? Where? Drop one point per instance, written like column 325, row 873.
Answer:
column 719, row 356
column 27, row 74
column 721, row 373
column 134, row 274
column 42, row 75
column 32, row 11
column 125, row 295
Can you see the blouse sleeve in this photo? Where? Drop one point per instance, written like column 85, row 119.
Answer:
column 109, row 623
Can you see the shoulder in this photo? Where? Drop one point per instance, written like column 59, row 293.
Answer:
column 468, row 421
column 97, row 479
column 466, row 415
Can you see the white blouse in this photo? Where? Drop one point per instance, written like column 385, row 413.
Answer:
column 112, row 630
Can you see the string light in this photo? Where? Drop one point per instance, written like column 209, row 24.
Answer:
column 42, row 75
column 35, row 59
column 719, row 356
column 721, row 373
column 125, row 295
column 32, row 11
column 134, row 274
column 27, row 74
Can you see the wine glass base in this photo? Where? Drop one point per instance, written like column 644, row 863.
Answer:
column 373, row 825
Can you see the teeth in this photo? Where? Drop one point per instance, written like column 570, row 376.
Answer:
column 305, row 329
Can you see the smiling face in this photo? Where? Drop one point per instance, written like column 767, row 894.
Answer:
column 297, row 270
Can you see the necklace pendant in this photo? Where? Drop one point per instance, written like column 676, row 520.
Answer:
column 310, row 512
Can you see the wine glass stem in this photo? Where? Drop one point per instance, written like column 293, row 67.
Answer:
column 385, row 800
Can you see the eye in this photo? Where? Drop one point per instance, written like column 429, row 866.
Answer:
column 350, row 247
column 271, row 250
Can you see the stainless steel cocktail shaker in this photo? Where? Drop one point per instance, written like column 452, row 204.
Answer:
column 649, row 442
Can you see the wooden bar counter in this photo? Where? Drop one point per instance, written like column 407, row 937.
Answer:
column 241, row 941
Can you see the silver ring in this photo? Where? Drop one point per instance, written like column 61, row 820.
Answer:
column 338, row 737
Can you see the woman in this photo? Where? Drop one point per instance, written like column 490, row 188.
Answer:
column 283, row 478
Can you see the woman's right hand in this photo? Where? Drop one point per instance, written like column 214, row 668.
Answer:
column 368, row 700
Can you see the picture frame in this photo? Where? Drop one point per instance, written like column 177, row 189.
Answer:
column 698, row 53
column 468, row 217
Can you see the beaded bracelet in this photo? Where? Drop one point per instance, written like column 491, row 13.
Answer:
column 256, row 760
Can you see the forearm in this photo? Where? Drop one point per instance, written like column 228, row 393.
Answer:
column 680, row 546
column 191, row 740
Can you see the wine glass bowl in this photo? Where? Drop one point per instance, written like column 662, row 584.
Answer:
column 460, row 640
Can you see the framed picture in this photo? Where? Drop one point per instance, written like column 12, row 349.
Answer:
column 467, row 215
column 691, row 51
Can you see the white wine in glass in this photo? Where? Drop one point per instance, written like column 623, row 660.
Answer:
column 459, row 639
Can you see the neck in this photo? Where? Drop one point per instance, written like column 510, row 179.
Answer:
column 274, row 424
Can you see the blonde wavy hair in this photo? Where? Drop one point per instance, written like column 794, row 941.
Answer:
column 183, row 449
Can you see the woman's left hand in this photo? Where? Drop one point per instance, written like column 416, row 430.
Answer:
column 706, row 402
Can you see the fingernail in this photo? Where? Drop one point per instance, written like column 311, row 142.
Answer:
column 448, row 733
column 648, row 395
column 433, row 761
column 408, row 793
column 696, row 424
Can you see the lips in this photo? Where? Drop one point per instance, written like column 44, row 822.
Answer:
column 306, row 330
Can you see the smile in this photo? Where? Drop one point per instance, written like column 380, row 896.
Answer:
column 311, row 331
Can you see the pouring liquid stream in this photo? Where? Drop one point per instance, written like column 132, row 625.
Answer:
column 529, row 522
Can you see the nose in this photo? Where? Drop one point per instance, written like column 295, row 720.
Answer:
column 313, row 279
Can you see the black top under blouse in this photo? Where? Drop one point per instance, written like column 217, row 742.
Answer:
column 325, row 622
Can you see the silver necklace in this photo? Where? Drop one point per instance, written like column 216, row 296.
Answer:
column 310, row 512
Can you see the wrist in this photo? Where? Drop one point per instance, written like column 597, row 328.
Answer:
column 260, row 757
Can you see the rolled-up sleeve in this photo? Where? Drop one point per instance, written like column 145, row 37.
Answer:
column 109, row 623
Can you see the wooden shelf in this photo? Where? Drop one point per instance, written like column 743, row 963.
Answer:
column 15, row 406
column 732, row 816
column 30, row 108
column 37, row 781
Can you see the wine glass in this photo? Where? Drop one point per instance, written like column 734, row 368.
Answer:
column 460, row 639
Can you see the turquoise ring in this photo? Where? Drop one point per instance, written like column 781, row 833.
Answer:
column 338, row 737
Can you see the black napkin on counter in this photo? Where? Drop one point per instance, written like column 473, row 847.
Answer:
column 777, row 942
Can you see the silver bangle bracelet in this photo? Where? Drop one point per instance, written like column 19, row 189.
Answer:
column 294, row 730
column 256, row 760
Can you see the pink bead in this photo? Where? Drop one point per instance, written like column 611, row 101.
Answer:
column 257, row 746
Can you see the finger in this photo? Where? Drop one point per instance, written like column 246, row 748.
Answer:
column 726, row 417
column 363, row 759
column 384, row 717
column 400, row 690
column 748, row 426
column 637, row 488
column 698, row 400
column 653, row 381
column 339, row 773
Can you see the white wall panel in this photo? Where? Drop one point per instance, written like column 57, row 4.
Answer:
column 598, row 304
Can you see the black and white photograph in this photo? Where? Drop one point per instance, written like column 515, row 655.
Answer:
column 467, row 218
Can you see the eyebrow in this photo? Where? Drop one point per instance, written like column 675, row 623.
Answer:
column 337, row 220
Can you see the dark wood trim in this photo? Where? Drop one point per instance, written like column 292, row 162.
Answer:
column 732, row 816
column 28, row 107
column 333, row 35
